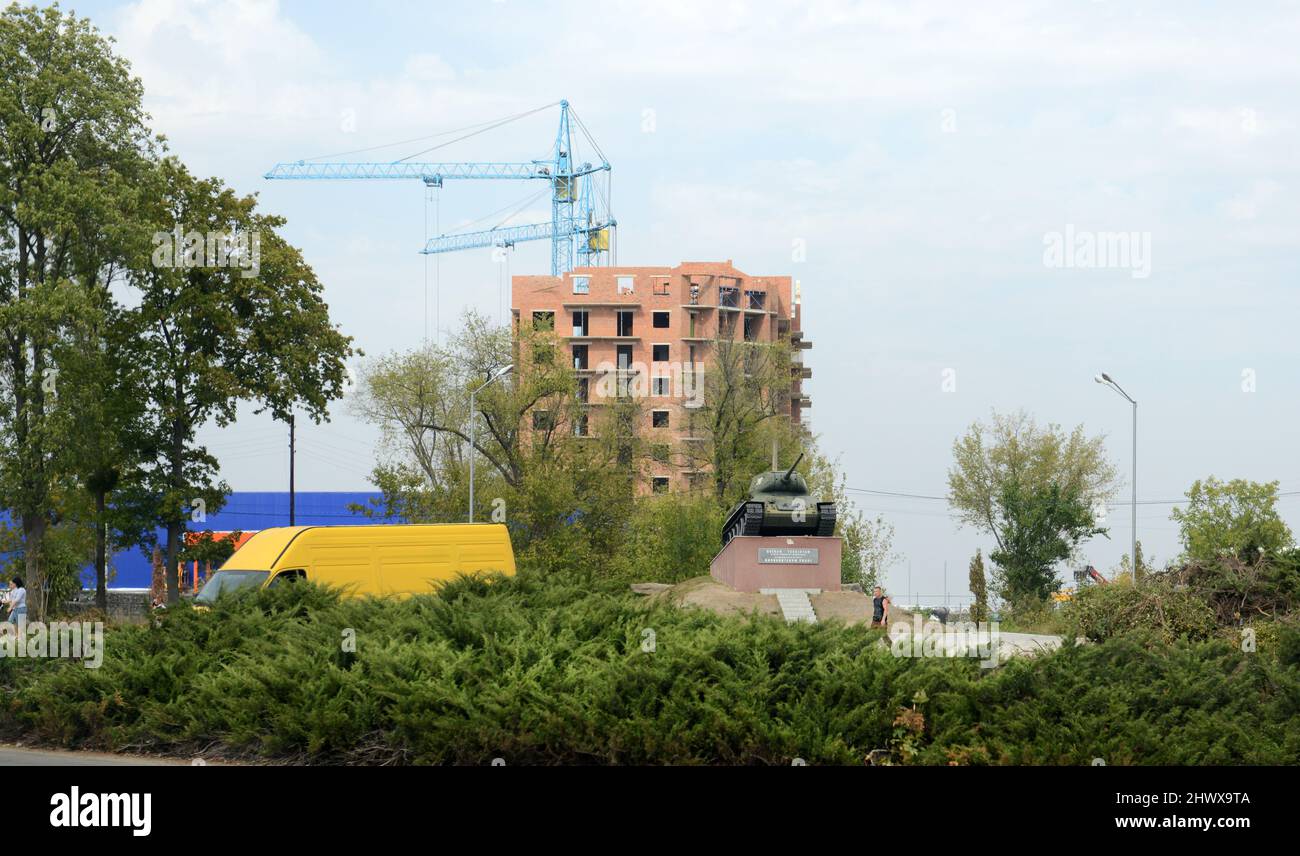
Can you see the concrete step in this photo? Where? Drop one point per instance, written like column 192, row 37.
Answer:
column 794, row 603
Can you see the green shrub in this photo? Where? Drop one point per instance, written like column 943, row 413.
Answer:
column 545, row 669
column 1104, row 611
column 1031, row 615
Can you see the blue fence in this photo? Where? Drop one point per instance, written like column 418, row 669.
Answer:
column 248, row 512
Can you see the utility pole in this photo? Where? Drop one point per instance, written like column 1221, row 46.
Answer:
column 291, row 457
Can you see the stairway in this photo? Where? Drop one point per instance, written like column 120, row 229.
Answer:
column 794, row 602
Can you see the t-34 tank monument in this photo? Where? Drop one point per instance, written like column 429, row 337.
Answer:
column 779, row 537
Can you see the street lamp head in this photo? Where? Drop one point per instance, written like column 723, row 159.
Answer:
column 1098, row 378
column 1105, row 377
column 501, row 371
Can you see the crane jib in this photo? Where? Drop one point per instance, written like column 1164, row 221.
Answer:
column 580, row 210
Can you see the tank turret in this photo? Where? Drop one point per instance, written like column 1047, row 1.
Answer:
column 779, row 504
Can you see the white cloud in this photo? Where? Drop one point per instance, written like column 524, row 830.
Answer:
column 428, row 66
column 1246, row 206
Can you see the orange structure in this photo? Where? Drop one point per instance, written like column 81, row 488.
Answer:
column 193, row 578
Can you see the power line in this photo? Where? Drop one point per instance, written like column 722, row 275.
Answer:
column 1115, row 504
column 481, row 130
column 483, row 125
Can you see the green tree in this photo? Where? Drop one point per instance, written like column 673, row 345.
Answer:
column 1053, row 479
column 102, row 395
column 1235, row 519
column 979, row 610
column 215, row 328
column 71, row 135
column 1040, row 528
column 564, row 481
column 744, row 407
column 1125, row 567
column 420, row 401
column 868, row 546
column 1013, row 449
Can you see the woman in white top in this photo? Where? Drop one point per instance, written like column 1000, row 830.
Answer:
column 17, row 600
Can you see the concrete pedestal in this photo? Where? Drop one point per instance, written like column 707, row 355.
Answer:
column 753, row 562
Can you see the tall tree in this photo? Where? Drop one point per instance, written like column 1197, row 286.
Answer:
column 979, row 608
column 71, row 133
column 228, row 312
column 1043, row 471
column 1040, row 528
column 102, row 395
column 1012, row 449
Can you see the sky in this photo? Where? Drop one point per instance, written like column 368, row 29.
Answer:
column 932, row 174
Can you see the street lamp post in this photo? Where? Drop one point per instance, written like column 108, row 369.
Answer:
column 1106, row 380
column 473, row 418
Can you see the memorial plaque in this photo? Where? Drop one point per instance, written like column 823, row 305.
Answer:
column 788, row 556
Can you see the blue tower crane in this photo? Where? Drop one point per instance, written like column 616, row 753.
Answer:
column 580, row 225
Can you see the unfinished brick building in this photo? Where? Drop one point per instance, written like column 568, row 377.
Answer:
column 650, row 330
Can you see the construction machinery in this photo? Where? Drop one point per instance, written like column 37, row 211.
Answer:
column 1085, row 576
column 779, row 503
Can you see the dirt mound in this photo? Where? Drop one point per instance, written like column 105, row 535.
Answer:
column 849, row 607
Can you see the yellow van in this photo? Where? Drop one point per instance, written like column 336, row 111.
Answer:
column 382, row 559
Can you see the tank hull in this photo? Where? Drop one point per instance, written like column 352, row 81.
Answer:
column 757, row 518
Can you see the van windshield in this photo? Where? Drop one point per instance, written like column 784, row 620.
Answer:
column 224, row 582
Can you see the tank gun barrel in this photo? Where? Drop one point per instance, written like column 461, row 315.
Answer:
column 790, row 471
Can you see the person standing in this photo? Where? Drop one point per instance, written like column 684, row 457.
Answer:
column 16, row 597
column 879, row 609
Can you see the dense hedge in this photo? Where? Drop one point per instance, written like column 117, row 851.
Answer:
column 552, row 670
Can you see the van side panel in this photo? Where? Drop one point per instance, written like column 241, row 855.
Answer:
column 416, row 566
column 386, row 559
column 348, row 565
column 487, row 549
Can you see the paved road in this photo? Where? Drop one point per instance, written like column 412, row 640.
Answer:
column 13, row 756
column 951, row 639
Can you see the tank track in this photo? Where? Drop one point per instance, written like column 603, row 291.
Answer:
column 825, row 519
column 748, row 522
